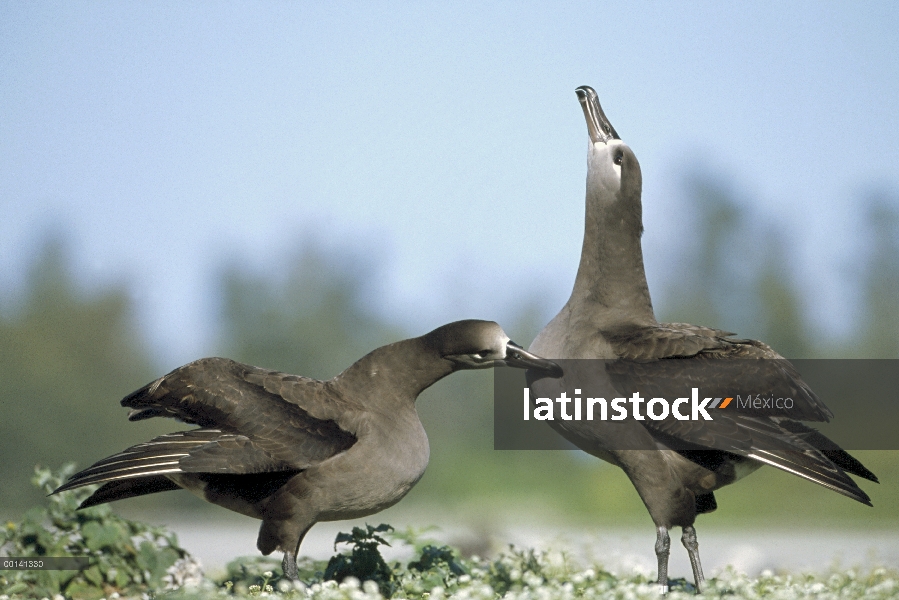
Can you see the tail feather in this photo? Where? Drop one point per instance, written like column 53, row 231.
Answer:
column 129, row 488
column 779, row 447
column 829, row 448
column 814, row 470
column 158, row 468
column 152, row 459
column 848, row 463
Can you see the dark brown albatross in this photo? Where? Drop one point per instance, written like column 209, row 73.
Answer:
column 675, row 465
column 292, row 450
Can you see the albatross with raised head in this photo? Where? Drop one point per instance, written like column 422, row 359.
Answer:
column 675, row 465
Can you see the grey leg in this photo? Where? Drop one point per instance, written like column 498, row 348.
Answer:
column 663, row 545
column 692, row 546
column 289, row 566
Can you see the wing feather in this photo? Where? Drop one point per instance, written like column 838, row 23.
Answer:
column 251, row 421
column 669, row 359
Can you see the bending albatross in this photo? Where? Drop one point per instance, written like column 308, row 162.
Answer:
column 291, row 450
column 675, row 465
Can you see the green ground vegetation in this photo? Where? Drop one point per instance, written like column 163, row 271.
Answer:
column 127, row 559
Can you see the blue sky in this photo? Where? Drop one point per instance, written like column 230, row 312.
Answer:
column 441, row 140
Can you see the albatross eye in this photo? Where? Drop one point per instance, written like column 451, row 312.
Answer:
column 619, row 157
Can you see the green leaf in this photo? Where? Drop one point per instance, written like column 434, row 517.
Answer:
column 121, row 578
column 342, row 538
column 155, row 560
column 16, row 588
column 93, row 575
column 84, row 591
column 98, row 536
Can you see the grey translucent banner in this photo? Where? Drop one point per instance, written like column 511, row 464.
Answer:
column 695, row 404
column 44, row 563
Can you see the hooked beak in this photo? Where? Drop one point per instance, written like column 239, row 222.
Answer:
column 516, row 356
column 597, row 124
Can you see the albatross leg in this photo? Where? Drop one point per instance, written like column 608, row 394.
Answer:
column 289, row 566
column 663, row 546
column 689, row 540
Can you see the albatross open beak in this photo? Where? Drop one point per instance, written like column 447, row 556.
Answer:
column 597, row 124
column 516, row 356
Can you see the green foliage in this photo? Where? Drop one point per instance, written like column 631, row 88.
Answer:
column 125, row 556
column 438, row 566
column 435, row 573
column 254, row 575
column 434, row 566
column 364, row 562
column 437, row 558
column 520, row 574
column 521, row 565
column 247, row 571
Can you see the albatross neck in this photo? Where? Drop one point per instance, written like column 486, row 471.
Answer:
column 611, row 281
column 398, row 372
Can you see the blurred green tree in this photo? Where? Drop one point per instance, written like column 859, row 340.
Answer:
column 781, row 319
column 880, row 313
column 737, row 275
column 708, row 277
column 66, row 358
column 311, row 317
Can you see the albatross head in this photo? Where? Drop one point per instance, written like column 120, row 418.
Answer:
column 613, row 169
column 476, row 344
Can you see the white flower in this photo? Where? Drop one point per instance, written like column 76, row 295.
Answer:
column 349, row 583
column 186, row 572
